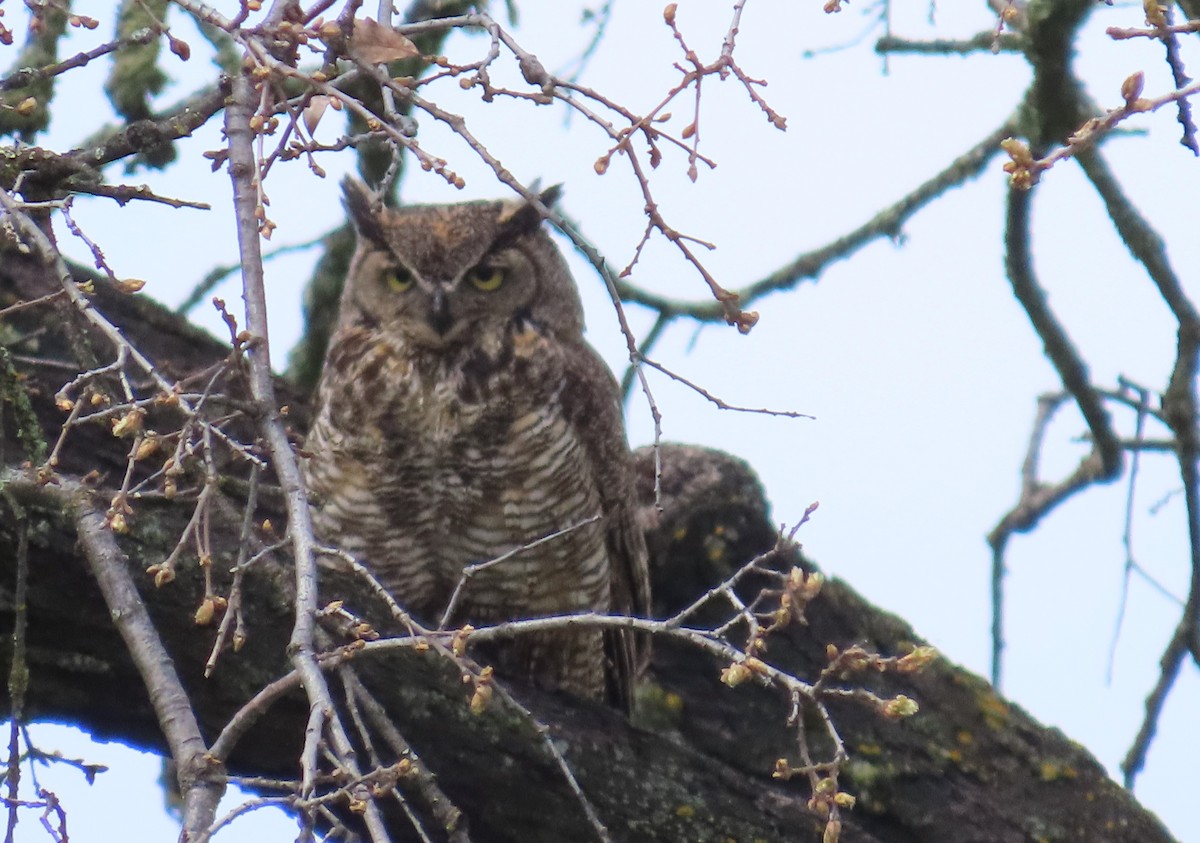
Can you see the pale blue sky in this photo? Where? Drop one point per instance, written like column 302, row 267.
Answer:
column 921, row 370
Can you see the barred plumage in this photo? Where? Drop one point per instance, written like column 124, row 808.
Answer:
column 460, row 417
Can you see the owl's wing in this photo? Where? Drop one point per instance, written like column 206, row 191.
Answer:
column 591, row 401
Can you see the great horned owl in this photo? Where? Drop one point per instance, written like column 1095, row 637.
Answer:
column 461, row 416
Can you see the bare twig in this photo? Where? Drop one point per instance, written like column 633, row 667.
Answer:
column 791, row 414
column 1026, row 169
column 1180, row 407
column 474, row 568
column 438, row 803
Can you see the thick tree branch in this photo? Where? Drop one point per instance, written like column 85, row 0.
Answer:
column 702, row 770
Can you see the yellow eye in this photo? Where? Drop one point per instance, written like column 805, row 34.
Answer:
column 398, row 279
column 487, row 277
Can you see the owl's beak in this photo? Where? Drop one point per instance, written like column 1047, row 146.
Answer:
column 439, row 312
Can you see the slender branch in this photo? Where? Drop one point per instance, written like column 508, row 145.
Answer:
column 1131, row 564
column 982, row 42
column 1026, row 169
column 201, row 777
column 1142, row 240
column 724, row 405
column 28, row 75
column 1180, row 406
column 124, row 193
column 643, row 349
column 886, row 223
column 471, row 570
column 1122, row 33
column 440, row 805
column 323, row 717
column 1103, row 464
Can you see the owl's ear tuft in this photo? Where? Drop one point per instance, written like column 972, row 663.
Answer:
column 551, row 195
column 362, row 205
column 518, row 217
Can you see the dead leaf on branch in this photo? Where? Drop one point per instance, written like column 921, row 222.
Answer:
column 314, row 111
column 376, row 43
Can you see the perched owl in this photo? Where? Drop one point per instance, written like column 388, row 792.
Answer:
column 461, row 416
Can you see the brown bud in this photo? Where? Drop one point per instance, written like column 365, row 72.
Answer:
column 481, row 698
column 205, row 614
column 129, row 424
column 735, row 674
column 1131, row 88
column 458, row 644
column 179, row 47
column 900, row 707
column 917, row 660
column 117, row 522
column 147, row 446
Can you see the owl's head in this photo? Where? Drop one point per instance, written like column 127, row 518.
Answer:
column 442, row 275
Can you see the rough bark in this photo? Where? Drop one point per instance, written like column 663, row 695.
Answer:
column 969, row 767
